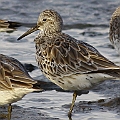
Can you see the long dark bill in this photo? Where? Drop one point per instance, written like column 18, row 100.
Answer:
column 31, row 30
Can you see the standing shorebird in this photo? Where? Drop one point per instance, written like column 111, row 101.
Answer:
column 114, row 32
column 15, row 82
column 71, row 64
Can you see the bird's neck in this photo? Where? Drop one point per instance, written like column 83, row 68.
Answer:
column 48, row 36
column 49, row 33
column 44, row 38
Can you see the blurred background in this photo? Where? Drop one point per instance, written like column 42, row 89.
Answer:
column 86, row 20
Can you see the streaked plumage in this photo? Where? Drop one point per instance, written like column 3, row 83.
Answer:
column 114, row 32
column 69, row 63
column 15, row 82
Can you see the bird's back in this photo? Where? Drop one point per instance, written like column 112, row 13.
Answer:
column 13, row 74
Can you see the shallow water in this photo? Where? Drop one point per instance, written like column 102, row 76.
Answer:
column 85, row 20
column 56, row 104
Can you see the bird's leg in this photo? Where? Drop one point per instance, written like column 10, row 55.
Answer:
column 9, row 111
column 72, row 105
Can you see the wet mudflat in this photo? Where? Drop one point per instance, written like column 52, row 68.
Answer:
column 50, row 105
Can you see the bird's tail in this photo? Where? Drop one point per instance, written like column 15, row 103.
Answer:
column 113, row 71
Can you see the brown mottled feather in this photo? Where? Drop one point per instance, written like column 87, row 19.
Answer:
column 71, row 58
column 13, row 74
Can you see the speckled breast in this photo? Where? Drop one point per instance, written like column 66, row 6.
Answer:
column 45, row 60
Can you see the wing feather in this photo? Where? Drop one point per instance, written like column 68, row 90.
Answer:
column 13, row 73
column 72, row 56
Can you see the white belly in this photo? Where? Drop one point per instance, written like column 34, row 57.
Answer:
column 80, row 82
column 10, row 96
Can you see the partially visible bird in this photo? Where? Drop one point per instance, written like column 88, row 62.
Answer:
column 15, row 82
column 9, row 26
column 114, row 31
column 71, row 64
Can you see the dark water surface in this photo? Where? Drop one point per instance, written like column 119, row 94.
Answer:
column 85, row 20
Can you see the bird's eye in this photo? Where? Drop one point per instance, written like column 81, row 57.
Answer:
column 44, row 19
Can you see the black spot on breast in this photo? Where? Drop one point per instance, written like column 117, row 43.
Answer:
column 91, row 77
column 87, row 79
column 44, row 65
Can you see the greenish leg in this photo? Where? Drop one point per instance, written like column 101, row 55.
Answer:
column 9, row 111
column 72, row 105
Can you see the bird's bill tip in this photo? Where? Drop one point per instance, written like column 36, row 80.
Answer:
column 31, row 30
